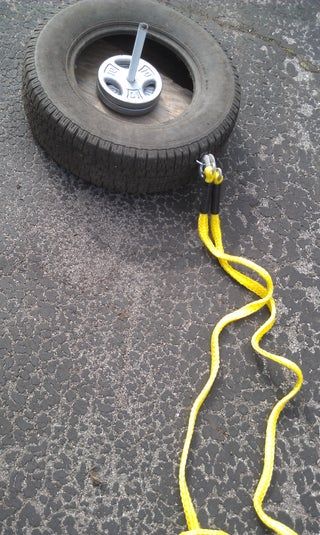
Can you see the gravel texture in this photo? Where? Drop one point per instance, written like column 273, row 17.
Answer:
column 108, row 303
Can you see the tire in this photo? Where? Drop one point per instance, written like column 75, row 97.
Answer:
column 111, row 150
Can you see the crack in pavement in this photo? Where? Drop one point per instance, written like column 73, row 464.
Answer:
column 304, row 63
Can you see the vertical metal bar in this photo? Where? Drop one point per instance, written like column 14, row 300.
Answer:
column 137, row 51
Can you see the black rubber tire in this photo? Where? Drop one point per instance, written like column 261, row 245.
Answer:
column 114, row 153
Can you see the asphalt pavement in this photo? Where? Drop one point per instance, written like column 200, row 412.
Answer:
column 108, row 303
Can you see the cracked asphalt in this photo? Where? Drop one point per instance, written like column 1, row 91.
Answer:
column 108, row 303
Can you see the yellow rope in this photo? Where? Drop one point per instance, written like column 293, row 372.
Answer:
column 211, row 225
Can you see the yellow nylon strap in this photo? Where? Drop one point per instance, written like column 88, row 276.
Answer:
column 265, row 294
column 204, row 532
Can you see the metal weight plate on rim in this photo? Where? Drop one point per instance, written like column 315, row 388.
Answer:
column 121, row 95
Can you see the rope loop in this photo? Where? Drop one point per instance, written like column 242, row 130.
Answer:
column 213, row 175
column 204, row 532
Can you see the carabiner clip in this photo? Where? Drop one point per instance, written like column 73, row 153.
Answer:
column 207, row 160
